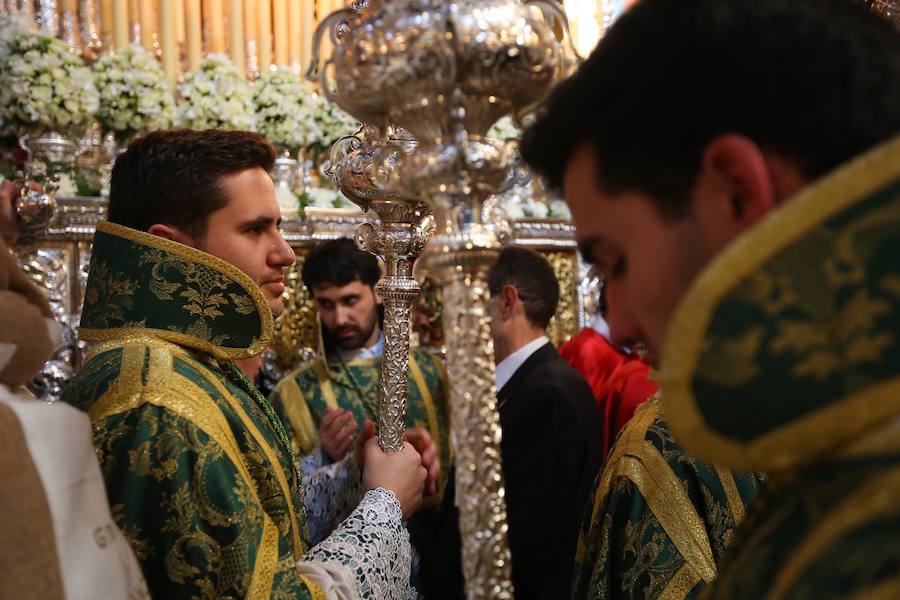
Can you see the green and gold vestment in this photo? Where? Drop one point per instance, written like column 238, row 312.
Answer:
column 302, row 397
column 659, row 520
column 198, row 470
column 784, row 357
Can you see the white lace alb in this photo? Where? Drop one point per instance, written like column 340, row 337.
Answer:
column 372, row 544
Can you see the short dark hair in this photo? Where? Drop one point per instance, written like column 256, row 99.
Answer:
column 532, row 275
column 814, row 81
column 339, row 262
column 173, row 177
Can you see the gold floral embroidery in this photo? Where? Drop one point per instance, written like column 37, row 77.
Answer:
column 849, row 337
column 111, row 296
column 242, row 304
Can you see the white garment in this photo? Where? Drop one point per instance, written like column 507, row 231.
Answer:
column 367, row 556
column 96, row 560
column 509, row 365
column 376, row 350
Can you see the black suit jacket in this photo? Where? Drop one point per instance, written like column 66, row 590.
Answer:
column 551, row 454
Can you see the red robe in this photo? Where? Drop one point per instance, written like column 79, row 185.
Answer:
column 618, row 380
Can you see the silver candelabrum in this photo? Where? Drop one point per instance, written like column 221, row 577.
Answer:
column 445, row 71
column 360, row 166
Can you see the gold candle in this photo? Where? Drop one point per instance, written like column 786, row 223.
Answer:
column 236, row 21
column 106, row 24
column 168, row 39
column 147, row 24
column 307, row 16
column 120, row 23
column 215, row 21
column 265, row 35
column 180, row 29
column 280, row 20
column 194, row 33
column 295, row 29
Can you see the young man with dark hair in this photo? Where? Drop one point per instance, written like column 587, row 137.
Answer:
column 184, row 279
column 734, row 170
column 550, row 447
column 327, row 401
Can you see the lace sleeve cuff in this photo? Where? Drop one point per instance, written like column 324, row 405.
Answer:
column 373, row 544
column 329, row 494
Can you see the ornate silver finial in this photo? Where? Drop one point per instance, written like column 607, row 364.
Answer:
column 429, row 78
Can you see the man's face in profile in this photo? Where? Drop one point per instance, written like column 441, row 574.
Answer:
column 647, row 261
column 245, row 233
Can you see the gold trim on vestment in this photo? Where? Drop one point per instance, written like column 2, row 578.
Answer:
column 179, row 395
column 876, row 498
column 315, row 590
column 680, row 585
column 639, row 460
column 298, row 414
column 320, row 369
column 672, row 507
column 267, row 324
column 819, row 432
column 419, row 379
column 631, row 435
column 732, row 495
column 267, row 450
column 266, row 562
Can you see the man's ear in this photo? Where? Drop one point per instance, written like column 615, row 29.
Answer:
column 511, row 300
column 171, row 233
column 734, row 188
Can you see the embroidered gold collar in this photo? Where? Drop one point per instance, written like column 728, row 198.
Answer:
column 140, row 284
column 787, row 347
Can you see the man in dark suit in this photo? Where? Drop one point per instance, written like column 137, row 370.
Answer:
column 551, row 438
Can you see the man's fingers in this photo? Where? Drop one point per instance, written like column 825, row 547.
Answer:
column 344, row 446
column 330, row 415
column 434, row 471
column 341, row 421
column 429, row 454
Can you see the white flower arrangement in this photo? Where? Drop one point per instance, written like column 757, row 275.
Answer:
column 215, row 95
column 284, row 105
column 521, row 203
column 319, row 197
column 135, row 96
column 12, row 25
column 327, row 123
column 43, row 85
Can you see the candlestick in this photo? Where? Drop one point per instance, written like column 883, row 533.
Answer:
column 194, row 33
column 180, row 29
column 120, row 23
column 147, row 25
column 308, row 22
column 236, row 21
column 107, row 40
column 216, row 27
column 250, row 34
column 168, row 39
column 265, row 35
column 280, row 20
column 295, row 29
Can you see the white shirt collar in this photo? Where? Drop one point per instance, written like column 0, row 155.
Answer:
column 374, row 351
column 509, row 365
